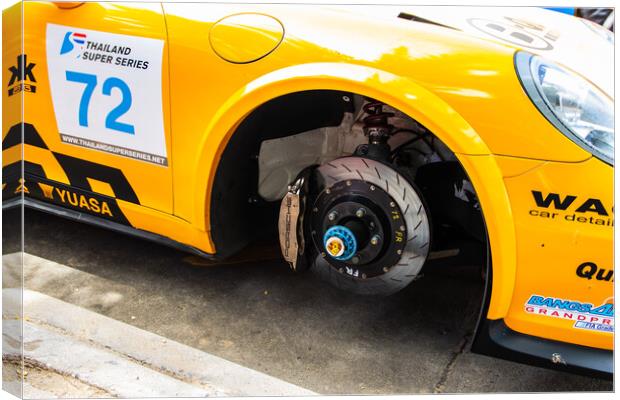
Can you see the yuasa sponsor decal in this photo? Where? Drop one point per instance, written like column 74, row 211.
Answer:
column 585, row 315
column 85, row 202
column 570, row 208
column 22, row 76
column 107, row 91
column 77, row 200
column 31, row 179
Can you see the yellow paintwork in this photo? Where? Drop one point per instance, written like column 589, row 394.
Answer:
column 463, row 89
column 147, row 21
column 244, row 38
column 549, row 249
column 12, row 45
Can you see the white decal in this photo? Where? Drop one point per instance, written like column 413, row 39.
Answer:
column 106, row 91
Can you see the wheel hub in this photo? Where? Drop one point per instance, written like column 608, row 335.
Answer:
column 359, row 228
column 340, row 242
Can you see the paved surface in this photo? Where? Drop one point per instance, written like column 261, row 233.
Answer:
column 43, row 383
column 120, row 359
column 261, row 315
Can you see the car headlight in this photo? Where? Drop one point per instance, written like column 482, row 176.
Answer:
column 571, row 103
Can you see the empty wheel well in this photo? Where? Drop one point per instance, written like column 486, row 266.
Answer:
column 239, row 213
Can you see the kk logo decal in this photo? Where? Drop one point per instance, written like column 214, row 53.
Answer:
column 22, row 76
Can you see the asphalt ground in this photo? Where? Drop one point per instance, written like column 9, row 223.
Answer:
column 254, row 311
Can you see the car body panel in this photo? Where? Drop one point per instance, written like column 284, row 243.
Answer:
column 555, row 239
column 565, row 39
column 144, row 20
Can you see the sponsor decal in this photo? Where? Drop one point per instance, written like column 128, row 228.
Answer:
column 78, row 171
column 79, row 194
column 107, row 92
column 70, row 40
column 571, row 209
column 594, row 326
column 22, row 76
column 68, row 197
column 517, row 31
column 585, row 315
column 91, row 144
column 73, row 199
column 589, row 270
column 21, row 187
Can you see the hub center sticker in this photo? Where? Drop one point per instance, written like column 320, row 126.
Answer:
column 106, row 91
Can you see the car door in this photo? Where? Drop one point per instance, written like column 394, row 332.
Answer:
column 100, row 110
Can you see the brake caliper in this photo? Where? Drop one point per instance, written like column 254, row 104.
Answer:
column 291, row 221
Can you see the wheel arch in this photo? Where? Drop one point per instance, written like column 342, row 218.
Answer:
column 401, row 93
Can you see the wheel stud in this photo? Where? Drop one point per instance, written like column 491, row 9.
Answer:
column 399, row 252
column 392, row 204
column 355, row 260
column 360, row 212
column 332, row 216
column 402, row 228
column 375, row 240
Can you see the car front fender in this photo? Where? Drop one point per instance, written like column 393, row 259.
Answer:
column 401, row 93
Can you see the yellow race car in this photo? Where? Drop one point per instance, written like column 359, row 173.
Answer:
column 367, row 140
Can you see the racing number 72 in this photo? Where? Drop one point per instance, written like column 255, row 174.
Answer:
column 111, row 121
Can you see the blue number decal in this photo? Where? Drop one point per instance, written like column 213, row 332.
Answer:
column 91, row 82
column 111, row 121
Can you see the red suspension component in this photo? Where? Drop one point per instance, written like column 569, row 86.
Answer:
column 376, row 124
column 378, row 130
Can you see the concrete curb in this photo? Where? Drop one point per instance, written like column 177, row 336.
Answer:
column 102, row 369
column 110, row 354
column 125, row 360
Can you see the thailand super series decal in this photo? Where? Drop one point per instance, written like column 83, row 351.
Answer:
column 106, row 91
column 586, row 315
